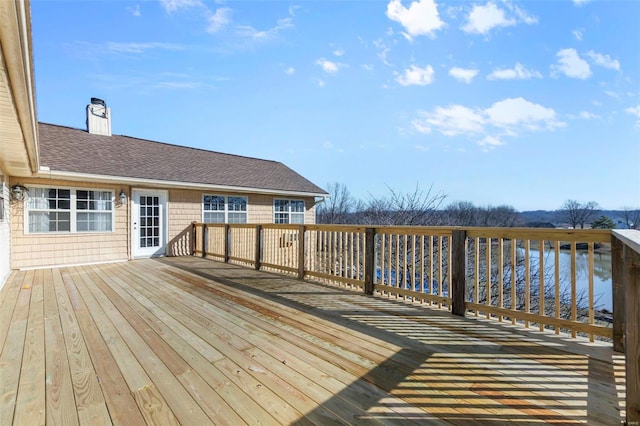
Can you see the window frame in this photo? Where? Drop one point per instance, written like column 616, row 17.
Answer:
column 3, row 189
column 227, row 212
column 289, row 213
column 73, row 210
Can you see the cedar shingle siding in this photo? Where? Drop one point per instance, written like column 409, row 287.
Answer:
column 78, row 151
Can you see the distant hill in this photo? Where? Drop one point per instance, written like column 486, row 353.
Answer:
column 544, row 218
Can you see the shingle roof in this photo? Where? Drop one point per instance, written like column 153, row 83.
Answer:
column 74, row 150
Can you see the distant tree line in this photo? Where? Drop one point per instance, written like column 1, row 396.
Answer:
column 416, row 208
column 427, row 208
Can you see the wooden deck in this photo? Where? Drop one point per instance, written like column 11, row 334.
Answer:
column 193, row 341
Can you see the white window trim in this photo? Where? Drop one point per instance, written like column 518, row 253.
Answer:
column 226, row 207
column 289, row 213
column 73, row 211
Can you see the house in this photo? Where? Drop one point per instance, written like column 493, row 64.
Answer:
column 74, row 196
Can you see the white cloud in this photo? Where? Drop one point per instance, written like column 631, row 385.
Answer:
column 338, row 52
column 264, row 35
column 482, row 19
column 635, row 111
column 328, row 66
column 506, row 118
column 420, row 18
column 135, row 11
column 585, row 115
column 293, row 8
column 518, row 72
column 450, row 121
column 422, row 148
column 383, row 50
column 577, row 34
column 463, row 74
column 489, row 142
column 580, row 2
column 604, row 60
column 328, row 145
column 416, row 76
column 290, row 71
column 174, row 5
column 522, row 15
column 367, row 67
column 133, row 47
column 516, row 114
column 218, row 20
column 572, row 65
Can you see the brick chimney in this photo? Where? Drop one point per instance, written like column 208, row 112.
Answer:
column 98, row 118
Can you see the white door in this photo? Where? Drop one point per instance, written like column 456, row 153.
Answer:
column 149, row 221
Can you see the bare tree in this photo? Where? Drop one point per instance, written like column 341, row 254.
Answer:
column 338, row 206
column 460, row 213
column 631, row 217
column 501, row 216
column 417, row 208
column 464, row 213
column 576, row 213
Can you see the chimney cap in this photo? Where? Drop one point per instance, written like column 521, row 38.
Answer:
column 98, row 101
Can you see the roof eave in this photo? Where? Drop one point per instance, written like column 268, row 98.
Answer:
column 90, row 177
column 17, row 52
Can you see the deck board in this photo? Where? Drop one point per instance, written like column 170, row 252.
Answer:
column 195, row 341
column 30, row 403
column 60, row 402
column 13, row 348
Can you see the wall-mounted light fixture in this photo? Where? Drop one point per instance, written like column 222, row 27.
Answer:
column 18, row 192
column 123, row 197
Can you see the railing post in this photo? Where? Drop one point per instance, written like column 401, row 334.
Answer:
column 301, row 257
column 192, row 239
column 369, row 259
column 205, row 238
column 627, row 275
column 258, row 251
column 458, row 271
column 617, row 288
column 632, row 334
column 227, row 242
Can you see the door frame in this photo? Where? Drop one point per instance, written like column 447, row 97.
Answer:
column 163, row 194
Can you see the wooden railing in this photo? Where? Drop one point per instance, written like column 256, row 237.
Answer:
column 505, row 274
column 626, row 313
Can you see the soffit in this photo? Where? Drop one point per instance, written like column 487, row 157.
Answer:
column 18, row 131
column 14, row 159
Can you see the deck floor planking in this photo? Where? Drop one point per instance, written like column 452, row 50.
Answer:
column 195, row 341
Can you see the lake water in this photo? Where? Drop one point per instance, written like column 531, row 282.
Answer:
column 602, row 290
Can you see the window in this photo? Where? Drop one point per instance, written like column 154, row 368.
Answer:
column 288, row 211
column 69, row 210
column 221, row 209
column 94, row 210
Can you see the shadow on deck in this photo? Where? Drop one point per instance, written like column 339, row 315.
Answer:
column 189, row 340
column 448, row 369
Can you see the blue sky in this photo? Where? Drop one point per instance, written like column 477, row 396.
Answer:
column 521, row 103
